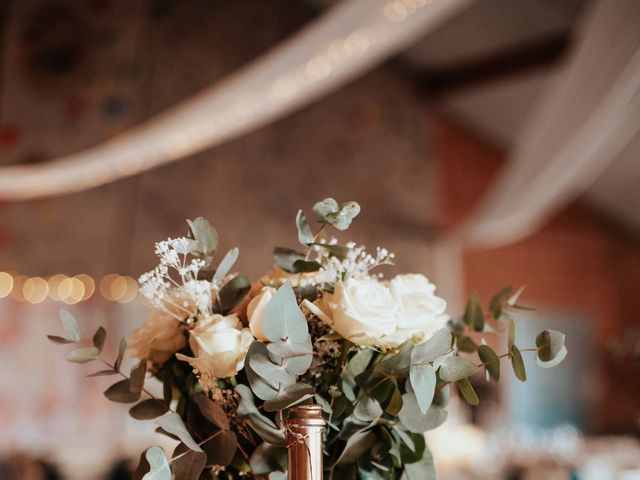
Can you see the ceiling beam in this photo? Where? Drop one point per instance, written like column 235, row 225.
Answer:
column 494, row 66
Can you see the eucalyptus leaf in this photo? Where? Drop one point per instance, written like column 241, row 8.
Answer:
column 274, row 375
column 121, row 392
column 466, row 344
column 490, row 360
column 294, row 262
column 212, row 411
column 82, row 355
column 406, row 438
column 414, row 420
column 172, row 423
column 511, row 335
column 551, row 348
column 324, row 208
column 340, row 217
column 499, row 300
column 367, row 409
column 305, row 235
column 356, row 445
column 103, row 373
column 455, row 368
column 233, row 292
column 423, row 380
column 304, row 266
column 423, row 469
column 439, row 344
column 261, row 387
column 158, row 465
column 226, row 265
column 187, row 464
column 137, row 376
column 468, row 393
column 70, row 326
column 263, row 426
column 122, row 347
column 473, row 315
column 268, row 458
column 204, row 234
column 290, row 396
column 398, row 363
column 296, row 358
column 283, row 319
column 518, row 364
column 99, row 337
column 221, row 448
column 148, row 409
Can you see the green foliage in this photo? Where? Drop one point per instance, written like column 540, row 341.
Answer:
column 204, row 233
column 551, row 348
column 423, row 381
column 423, row 469
column 467, row 391
column 226, row 265
column 491, row 361
column 377, row 403
column 172, row 423
column 455, row 368
column 186, row 463
column 70, row 326
column 327, row 211
column 99, row 338
column 122, row 347
column 156, row 464
column 120, row 392
column 233, row 292
column 148, row 409
column 499, row 301
column 82, row 355
column 305, row 235
column 292, row 261
column 518, row 364
column 473, row 315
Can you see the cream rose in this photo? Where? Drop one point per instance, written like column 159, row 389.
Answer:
column 220, row 345
column 158, row 338
column 256, row 309
column 362, row 311
column 421, row 312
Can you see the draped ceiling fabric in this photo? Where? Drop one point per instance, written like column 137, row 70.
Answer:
column 583, row 125
column 348, row 40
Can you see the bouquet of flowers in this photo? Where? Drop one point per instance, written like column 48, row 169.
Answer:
column 381, row 357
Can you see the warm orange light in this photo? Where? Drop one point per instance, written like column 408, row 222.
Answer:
column 131, row 290
column 35, row 289
column 105, row 285
column 54, row 286
column 88, row 284
column 6, row 284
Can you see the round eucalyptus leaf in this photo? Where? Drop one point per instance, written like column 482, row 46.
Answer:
column 455, row 368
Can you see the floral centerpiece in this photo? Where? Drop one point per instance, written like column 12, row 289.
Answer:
column 381, row 357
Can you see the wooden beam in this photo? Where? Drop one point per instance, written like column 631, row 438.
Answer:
column 495, row 66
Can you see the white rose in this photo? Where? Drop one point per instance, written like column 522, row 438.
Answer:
column 158, row 338
column 363, row 311
column 220, row 345
column 421, row 312
column 256, row 309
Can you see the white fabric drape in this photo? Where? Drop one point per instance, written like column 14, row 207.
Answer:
column 349, row 39
column 587, row 119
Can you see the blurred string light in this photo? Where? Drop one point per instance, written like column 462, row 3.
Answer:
column 348, row 40
column 67, row 289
